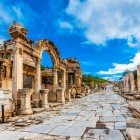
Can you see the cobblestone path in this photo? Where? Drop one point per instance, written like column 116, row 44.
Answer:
column 97, row 116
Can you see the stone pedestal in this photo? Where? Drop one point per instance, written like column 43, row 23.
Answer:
column 25, row 97
column 68, row 95
column 61, row 95
column 44, row 98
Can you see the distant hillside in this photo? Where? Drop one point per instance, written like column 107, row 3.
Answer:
column 89, row 79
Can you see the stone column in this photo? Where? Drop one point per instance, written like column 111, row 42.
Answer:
column 25, row 97
column 132, row 80
column 44, row 97
column 61, row 95
column 68, row 95
column 36, row 95
column 17, row 72
column 64, row 80
column 55, row 78
column 138, row 77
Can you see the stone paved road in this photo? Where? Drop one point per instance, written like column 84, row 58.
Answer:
column 97, row 116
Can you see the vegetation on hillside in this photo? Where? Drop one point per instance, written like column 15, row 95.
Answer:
column 42, row 67
column 89, row 79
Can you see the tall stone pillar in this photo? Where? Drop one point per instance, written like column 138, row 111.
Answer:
column 132, row 81
column 64, row 80
column 44, row 98
column 25, row 97
column 17, row 71
column 36, row 95
column 68, row 95
column 61, row 95
column 55, row 78
column 138, row 77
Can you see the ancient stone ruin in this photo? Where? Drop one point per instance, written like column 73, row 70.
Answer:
column 129, row 88
column 21, row 75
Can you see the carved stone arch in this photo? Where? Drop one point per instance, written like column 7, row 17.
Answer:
column 48, row 46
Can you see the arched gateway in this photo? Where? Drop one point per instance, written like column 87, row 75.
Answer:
column 23, row 69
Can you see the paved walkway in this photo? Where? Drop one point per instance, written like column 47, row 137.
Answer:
column 97, row 116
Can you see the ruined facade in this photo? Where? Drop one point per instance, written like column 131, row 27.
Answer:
column 21, row 74
column 131, row 81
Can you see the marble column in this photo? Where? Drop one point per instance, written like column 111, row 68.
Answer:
column 17, row 72
column 68, row 95
column 55, row 78
column 25, row 97
column 36, row 95
column 61, row 95
column 64, row 80
column 138, row 77
column 44, row 98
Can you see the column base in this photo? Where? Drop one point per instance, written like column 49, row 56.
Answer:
column 68, row 95
column 60, row 96
column 46, row 106
column 26, row 111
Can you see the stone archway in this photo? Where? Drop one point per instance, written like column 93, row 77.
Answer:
column 58, row 64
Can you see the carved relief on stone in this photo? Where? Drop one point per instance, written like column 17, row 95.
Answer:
column 29, row 60
column 3, row 72
column 20, row 51
column 11, row 47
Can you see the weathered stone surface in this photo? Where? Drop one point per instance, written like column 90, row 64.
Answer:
column 12, row 135
column 102, row 115
column 105, row 134
column 133, row 134
column 133, row 122
column 113, row 119
column 120, row 125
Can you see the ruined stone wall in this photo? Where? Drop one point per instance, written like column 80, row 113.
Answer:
column 138, row 77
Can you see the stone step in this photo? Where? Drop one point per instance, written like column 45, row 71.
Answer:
column 38, row 110
column 133, row 134
column 133, row 123
column 55, row 104
column 135, row 107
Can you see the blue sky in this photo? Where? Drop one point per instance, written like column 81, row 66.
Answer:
column 104, row 35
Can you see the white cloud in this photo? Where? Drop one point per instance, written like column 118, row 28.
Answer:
column 19, row 11
column 86, row 63
column 120, row 68
column 4, row 15
column 112, row 77
column 65, row 24
column 102, row 20
column 2, row 39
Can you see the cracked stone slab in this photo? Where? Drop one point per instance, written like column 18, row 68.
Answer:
column 84, row 123
column 133, row 122
column 113, row 119
column 133, row 133
column 12, row 135
column 120, row 125
column 104, row 134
